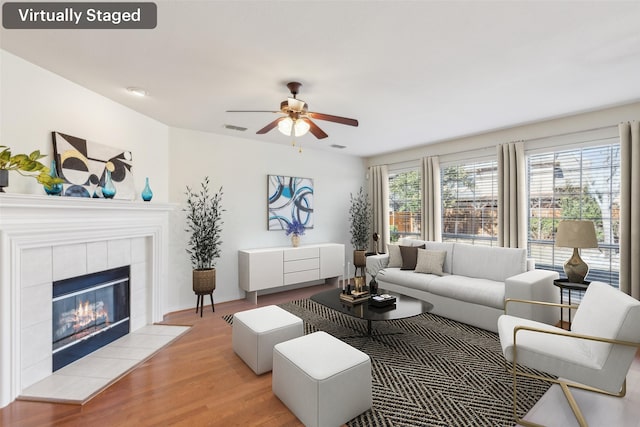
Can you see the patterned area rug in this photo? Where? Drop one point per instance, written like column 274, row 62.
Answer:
column 430, row 371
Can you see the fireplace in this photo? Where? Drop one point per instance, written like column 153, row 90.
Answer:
column 49, row 239
column 89, row 312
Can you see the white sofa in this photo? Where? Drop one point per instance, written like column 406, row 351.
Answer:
column 473, row 283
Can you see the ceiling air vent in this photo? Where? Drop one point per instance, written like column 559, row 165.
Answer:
column 338, row 146
column 233, row 127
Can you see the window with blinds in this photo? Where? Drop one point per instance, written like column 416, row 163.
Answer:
column 405, row 204
column 582, row 183
column 470, row 203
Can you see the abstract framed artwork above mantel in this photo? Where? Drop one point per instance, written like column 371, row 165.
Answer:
column 289, row 198
column 83, row 165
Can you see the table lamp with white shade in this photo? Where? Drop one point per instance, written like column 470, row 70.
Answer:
column 576, row 235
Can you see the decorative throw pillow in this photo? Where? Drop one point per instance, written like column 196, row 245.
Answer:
column 409, row 256
column 430, row 262
column 395, row 259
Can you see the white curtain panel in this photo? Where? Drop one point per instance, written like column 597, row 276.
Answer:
column 512, row 196
column 379, row 191
column 431, row 200
column 630, row 208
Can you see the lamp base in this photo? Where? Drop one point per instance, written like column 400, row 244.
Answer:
column 575, row 268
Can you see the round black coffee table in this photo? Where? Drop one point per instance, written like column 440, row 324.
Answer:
column 405, row 306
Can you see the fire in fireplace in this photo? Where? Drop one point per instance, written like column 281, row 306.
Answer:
column 89, row 312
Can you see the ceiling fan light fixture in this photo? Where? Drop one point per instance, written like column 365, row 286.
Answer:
column 300, row 127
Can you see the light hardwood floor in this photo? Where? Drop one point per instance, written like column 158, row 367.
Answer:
column 199, row 381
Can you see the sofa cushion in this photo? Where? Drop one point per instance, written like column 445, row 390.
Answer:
column 479, row 291
column 443, row 246
column 409, row 256
column 488, row 262
column 405, row 278
column 430, row 262
column 395, row 258
column 406, row 241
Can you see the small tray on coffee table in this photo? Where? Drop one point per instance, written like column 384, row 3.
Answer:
column 383, row 300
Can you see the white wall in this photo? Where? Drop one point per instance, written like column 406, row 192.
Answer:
column 241, row 166
column 35, row 102
column 576, row 123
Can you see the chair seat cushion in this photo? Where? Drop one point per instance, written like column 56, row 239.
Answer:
column 535, row 347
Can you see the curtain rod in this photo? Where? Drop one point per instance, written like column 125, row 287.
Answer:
column 570, row 133
column 523, row 140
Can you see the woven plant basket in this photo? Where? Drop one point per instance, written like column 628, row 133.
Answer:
column 204, row 280
column 359, row 258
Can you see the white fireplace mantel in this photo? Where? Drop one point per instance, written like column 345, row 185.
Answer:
column 32, row 224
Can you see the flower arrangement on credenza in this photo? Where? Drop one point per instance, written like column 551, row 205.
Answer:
column 26, row 165
column 296, row 229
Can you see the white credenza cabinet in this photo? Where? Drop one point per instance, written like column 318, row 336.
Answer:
column 267, row 268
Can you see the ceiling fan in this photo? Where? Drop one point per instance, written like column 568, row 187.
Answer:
column 297, row 118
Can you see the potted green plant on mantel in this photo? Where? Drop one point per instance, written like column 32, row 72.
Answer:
column 360, row 226
column 26, row 165
column 204, row 223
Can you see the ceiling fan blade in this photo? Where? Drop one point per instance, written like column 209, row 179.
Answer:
column 252, row 111
column 314, row 129
column 270, row 126
column 336, row 119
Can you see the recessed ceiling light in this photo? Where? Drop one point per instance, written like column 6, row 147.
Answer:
column 138, row 91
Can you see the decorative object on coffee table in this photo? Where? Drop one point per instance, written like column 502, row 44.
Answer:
column 204, row 222
column 360, row 225
column 373, row 284
column 383, row 300
column 26, row 165
column 576, row 235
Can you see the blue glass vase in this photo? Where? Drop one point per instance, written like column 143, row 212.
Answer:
column 108, row 190
column 147, row 194
column 55, row 189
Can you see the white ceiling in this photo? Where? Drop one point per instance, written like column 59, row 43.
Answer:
column 411, row 72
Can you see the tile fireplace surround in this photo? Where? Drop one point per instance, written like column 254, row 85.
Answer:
column 44, row 239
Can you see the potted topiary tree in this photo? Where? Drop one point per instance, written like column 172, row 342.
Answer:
column 24, row 164
column 360, row 226
column 204, row 223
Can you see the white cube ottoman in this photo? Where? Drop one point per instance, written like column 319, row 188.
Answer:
column 256, row 331
column 322, row 380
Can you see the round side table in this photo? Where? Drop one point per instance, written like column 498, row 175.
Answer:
column 569, row 286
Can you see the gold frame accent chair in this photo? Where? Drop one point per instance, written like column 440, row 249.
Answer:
column 595, row 355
